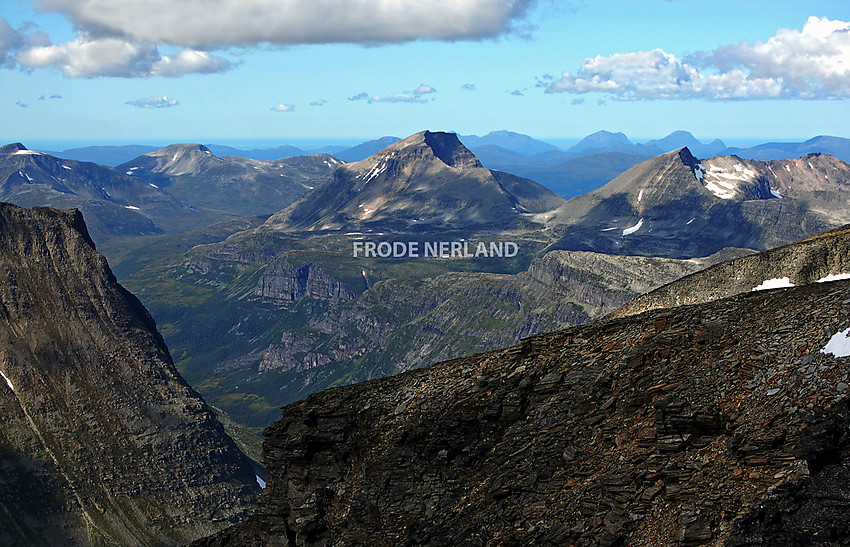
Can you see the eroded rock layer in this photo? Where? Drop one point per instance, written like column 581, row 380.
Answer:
column 719, row 423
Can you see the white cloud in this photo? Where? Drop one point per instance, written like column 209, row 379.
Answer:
column 362, row 96
column 209, row 23
column 89, row 58
column 424, row 89
column 807, row 64
column 468, row 87
column 397, row 98
column 320, row 102
column 12, row 40
column 153, row 102
column 280, row 107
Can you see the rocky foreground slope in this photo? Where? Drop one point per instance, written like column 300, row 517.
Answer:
column 722, row 423
column 102, row 442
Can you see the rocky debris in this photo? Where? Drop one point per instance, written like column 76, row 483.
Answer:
column 818, row 259
column 695, row 425
column 102, row 441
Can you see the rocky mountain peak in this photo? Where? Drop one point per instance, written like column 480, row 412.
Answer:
column 12, row 148
column 716, row 424
column 425, row 146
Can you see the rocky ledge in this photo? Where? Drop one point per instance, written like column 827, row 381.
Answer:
column 721, row 423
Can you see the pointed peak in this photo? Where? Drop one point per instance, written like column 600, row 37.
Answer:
column 444, row 146
column 687, row 158
column 12, row 148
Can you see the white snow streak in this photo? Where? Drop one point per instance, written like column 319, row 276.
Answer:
column 133, row 207
column 260, row 481
column 833, row 277
column 634, row 228
column 775, row 283
column 8, row 381
column 640, row 195
column 776, row 194
column 66, row 167
column 26, row 153
column 839, row 344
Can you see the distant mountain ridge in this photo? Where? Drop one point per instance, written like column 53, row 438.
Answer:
column 676, row 205
column 822, row 258
column 114, row 203
column 231, row 186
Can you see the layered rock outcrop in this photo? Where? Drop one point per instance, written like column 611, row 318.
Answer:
column 102, row 441
column 722, row 423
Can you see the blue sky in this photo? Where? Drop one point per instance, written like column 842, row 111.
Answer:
column 239, row 72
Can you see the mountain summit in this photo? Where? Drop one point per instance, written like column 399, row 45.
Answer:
column 428, row 180
column 679, row 206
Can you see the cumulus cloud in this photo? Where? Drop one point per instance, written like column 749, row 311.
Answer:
column 424, row 89
column 794, row 64
column 280, row 107
column 92, row 58
column 13, row 40
column 320, row 102
column 359, row 97
column 153, row 102
column 209, row 23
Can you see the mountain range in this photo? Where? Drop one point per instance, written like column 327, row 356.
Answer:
column 231, row 186
column 720, row 421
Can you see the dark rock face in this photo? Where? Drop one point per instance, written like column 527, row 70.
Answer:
column 695, row 425
column 102, row 441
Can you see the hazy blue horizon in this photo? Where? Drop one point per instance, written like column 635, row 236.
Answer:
column 48, row 145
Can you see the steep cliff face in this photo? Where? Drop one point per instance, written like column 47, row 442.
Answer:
column 723, row 422
column 102, row 441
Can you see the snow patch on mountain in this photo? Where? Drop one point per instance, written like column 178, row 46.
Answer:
column 839, row 344
column 775, row 283
column 833, row 277
column 633, row 229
